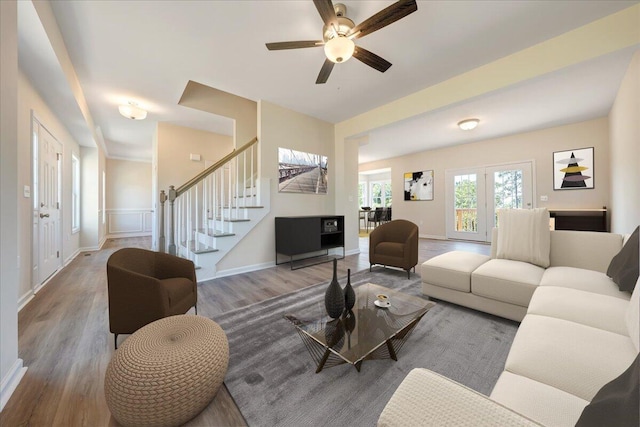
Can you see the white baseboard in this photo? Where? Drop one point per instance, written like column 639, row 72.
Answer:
column 24, row 300
column 244, row 269
column 122, row 235
column 71, row 258
column 11, row 381
column 352, row 252
column 432, row 236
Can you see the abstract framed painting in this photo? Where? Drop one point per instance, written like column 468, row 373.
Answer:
column 418, row 185
column 573, row 169
column 301, row 172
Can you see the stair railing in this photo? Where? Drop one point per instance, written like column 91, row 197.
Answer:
column 207, row 204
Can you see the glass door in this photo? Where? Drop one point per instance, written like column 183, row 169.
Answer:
column 474, row 197
column 465, row 203
column 509, row 187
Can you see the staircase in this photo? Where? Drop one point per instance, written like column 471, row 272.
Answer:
column 211, row 213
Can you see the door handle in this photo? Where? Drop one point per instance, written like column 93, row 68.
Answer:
column 44, row 215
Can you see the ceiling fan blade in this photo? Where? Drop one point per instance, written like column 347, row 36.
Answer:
column 294, row 45
column 371, row 59
column 327, row 12
column 325, row 71
column 383, row 18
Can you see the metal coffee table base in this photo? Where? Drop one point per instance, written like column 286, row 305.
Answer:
column 325, row 357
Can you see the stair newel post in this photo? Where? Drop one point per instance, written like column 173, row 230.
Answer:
column 172, row 200
column 161, row 237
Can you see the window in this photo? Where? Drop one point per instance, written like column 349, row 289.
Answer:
column 380, row 194
column 104, row 197
column 75, row 194
column 362, row 194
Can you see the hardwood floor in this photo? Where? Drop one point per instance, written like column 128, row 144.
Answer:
column 65, row 342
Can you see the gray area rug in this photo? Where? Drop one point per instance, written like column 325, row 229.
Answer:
column 272, row 376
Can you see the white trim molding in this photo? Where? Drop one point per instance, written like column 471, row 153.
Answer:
column 129, row 222
column 11, row 381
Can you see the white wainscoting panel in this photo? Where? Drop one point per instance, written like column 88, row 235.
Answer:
column 129, row 222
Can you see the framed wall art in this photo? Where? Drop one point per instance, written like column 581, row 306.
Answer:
column 418, row 185
column 301, row 172
column 573, row 169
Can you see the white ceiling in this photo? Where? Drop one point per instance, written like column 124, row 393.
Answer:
column 147, row 51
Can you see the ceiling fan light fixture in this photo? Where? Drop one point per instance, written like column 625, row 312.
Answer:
column 132, row 111
column 339, row 49
column 468, row 124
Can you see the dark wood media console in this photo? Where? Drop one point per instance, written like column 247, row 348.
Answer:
column 314, row 236
column 580, row 219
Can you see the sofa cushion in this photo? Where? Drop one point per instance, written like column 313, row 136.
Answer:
column 585, row 280
column 587, row 308
column 425, row 398
column 591, row 250
column 542, row 403
column 624, row 267
column 452, row 269
column 632, row 316
column 524, row 235
column 569, row 356
column 505, row 280
column 615, row 404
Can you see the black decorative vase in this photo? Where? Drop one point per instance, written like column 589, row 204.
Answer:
column 349, row 294
column 333, row 297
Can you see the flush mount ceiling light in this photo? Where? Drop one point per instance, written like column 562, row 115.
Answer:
column 468, row 124
column 132, row 111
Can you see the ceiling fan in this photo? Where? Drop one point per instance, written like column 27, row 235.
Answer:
column 339, row 32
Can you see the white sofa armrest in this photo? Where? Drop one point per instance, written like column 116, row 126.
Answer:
column 425, row 398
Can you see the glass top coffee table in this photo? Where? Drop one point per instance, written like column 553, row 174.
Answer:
column 365, row 332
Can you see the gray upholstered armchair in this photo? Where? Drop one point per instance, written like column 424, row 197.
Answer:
column 394, row 244
column 145, row 286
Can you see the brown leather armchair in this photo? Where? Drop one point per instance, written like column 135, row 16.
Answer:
column 145, row 286
column 394, row 244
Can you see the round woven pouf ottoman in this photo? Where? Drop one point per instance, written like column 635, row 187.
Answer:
column 167, row 372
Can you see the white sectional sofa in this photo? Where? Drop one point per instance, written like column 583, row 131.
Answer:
column 578, row 333
column 578, row 259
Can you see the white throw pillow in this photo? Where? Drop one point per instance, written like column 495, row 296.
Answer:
column 524, row 235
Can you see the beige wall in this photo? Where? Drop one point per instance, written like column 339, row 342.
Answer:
column 243, row 111
column 10, row 365
column 537, row 146
column 128, row 184
column 29, row 101
column 624, row 131
column 280, row 127
column 175, row 143
column 172, row 166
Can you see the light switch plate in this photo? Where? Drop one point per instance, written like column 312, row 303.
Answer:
column 26, row 191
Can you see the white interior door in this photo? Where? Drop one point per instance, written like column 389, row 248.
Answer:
column 47, row 198
column 465, row 204
column 475, row 195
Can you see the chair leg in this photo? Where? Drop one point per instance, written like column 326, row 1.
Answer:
column 196, row 308
column 370, row 265
column 115, row 340
column 409, row 273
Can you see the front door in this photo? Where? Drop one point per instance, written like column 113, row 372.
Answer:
column 47, row 204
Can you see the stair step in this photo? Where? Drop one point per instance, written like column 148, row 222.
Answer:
column 232, row 219
column 215, row 233
column 244, row 207
column 200, row 248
